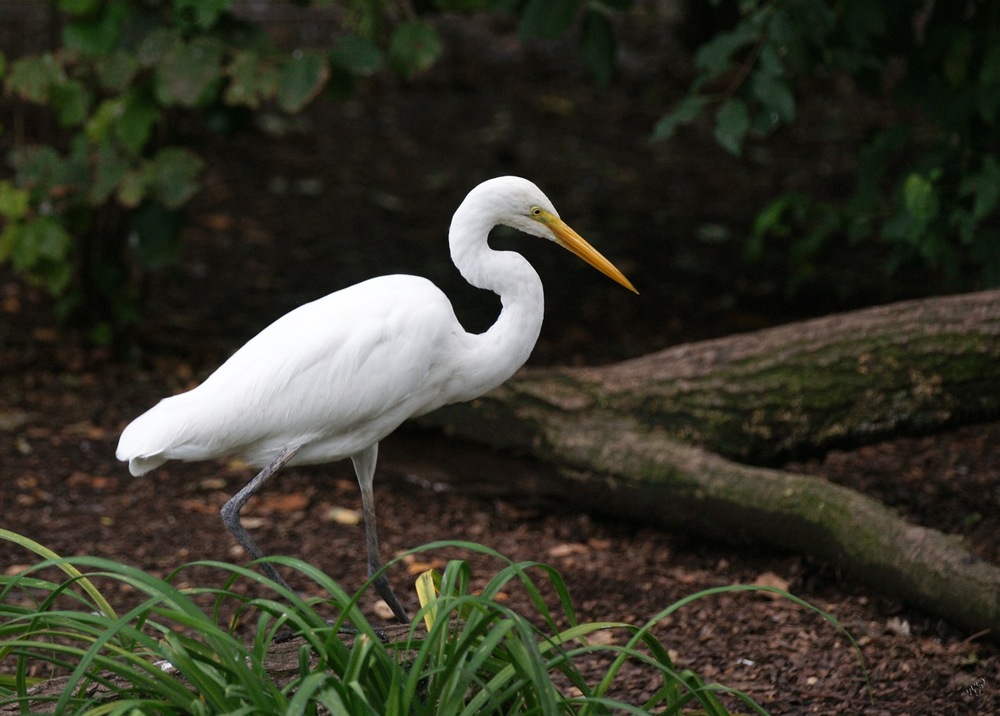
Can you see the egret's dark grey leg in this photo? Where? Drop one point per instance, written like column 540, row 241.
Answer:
column 364, row 467
column 231, row 512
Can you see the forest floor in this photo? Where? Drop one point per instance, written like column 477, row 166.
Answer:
column 295, row 207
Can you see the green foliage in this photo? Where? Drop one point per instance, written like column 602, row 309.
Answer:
column 548, row 19
column 414, row 48
column 204, row 649
column 123, row 73
column 109, row 190
column 927, row 185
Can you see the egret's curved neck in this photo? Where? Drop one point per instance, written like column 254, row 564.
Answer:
column 507, row 344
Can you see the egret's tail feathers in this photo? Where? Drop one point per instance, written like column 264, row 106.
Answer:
column 141, row 465
column 149, row 440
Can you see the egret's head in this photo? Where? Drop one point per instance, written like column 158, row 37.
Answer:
column 517, row 203
column 521, row 205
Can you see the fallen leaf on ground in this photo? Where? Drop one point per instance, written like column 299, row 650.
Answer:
column 898, row 626
column 290, row 502
column 344, row 516
column 96, row 482
column 568, row 549
column 200, row 507
column 604, row 637
column 85, row 429
column 218, row 222
column 383, row 610
column 416, row 568
column 11, row 420
column 770, row 579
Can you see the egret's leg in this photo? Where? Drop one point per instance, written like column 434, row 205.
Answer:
column 231, row 512
column 364, row 467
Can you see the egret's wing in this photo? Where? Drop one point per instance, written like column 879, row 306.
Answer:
column 346, row 367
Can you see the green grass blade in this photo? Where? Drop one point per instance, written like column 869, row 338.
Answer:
column 56, row 560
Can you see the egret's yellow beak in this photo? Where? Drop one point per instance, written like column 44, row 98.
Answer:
column 569, row 239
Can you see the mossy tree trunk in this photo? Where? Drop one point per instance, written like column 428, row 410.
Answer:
column 681, row 438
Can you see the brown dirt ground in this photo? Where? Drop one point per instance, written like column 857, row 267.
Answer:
column 305, row 205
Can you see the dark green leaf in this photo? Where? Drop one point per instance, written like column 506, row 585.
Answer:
column 39, row 240
column 966, row 225
column 773, row 219
column 109, row 169
column 116, row 70
column 101, row 333
column 47, row 173
column 79, row 7
column 35, row 167
column 202, row 14
column 774, row 95
column 356, row 54
column 956, row 67
column 984, row 186
column 13, row 201
column 133, row 186
column 684, row 113
column 413, row 48
column 769, row 62
column 136, row 121
column 9, row 238
column 188, row 70
column 920, row 197
column 157, row 230
column 103, row 119
column 988, row 105
column 731, row 125
column 463, row 5
column 158, row 44
column 599, row 45
column 51, row 240
column 716, row 55
column 76, row 170
column 989, row 73
column 97, row 35
column 988, row 192
column 32, row 77
column 174, row 176
column 71, row 101
column 251, row 80
column 508, row 7
column 302, row 78
column 547, row 18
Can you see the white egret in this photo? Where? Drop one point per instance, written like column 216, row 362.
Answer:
column 333, row 377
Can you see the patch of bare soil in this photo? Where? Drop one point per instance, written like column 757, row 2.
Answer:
column 301, row 206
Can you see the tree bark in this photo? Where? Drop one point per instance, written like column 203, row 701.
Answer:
column 677, row 438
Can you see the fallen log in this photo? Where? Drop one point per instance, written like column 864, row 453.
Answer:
column 795, row 390
column 658, row 438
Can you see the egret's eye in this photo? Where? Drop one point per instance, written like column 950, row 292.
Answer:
column 536, row 211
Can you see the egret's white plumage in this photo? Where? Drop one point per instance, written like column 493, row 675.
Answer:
column 311, row 379
column 333, row 377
